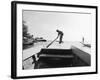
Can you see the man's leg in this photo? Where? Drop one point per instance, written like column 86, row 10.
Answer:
column 61, row 36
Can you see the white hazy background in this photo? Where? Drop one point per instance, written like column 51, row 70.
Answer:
column 44, row 24
column 5, row 40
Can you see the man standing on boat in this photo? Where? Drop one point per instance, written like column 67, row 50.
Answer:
column 60, row 35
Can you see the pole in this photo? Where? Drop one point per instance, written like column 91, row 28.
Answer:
column 51, row 42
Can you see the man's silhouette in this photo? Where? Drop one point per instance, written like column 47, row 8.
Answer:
column 60, row 35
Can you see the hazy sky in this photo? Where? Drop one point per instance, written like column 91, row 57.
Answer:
column 44, row 24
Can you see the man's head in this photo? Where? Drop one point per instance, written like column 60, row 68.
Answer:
column 57, row 30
